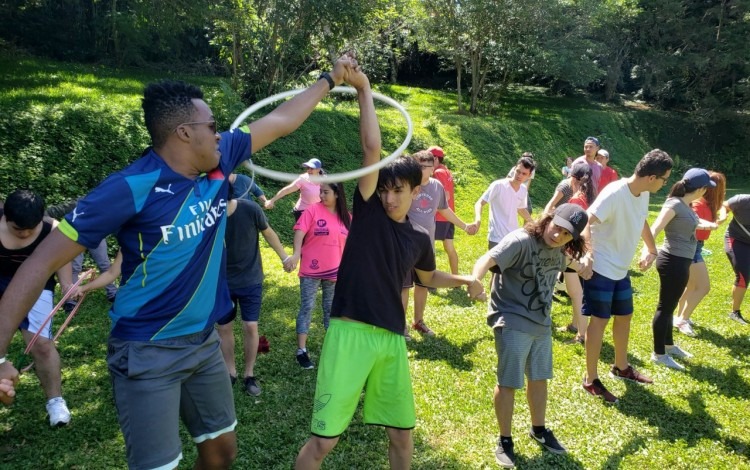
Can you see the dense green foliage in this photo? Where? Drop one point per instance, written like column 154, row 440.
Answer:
column 680, row 54
column 696, row 419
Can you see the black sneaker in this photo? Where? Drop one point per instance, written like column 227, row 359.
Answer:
column 252, row 387
column 304, row 360
column 233, row 379
column 737, row 316
column 69, row 306
column 504, row 454
column 548, row 440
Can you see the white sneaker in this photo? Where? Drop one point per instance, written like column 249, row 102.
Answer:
column 59, row 415
column 676, row 351
column 686, row 329
column 666, row 360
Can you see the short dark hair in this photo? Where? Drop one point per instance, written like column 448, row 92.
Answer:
column 24, row 208
column 423, row 155
column 166, row 105
column 527, row 160
column 403, row 169
column 654, row 163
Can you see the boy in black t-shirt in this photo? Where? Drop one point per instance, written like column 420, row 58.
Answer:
column 364, row 346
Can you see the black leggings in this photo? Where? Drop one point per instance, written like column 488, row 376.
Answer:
column 674, row 272
column 739, row 255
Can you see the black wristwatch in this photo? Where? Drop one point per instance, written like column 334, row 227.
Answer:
column 328, row 78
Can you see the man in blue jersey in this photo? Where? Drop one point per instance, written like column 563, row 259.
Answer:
column 168, row 211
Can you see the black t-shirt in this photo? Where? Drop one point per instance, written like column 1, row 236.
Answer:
column 244, row 265
column 378, row 254
column 10, row 260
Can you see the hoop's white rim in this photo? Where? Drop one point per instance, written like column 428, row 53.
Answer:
column 332, row 177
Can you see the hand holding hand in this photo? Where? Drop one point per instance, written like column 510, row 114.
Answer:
column 587, row 267
column 471, row 229
column 647, row 259
column 343, row 68
column 476, row 291
column 290, row 264
column 268, row 204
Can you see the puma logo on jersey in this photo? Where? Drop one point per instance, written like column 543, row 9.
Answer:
column 76, row 214
column 162, row 190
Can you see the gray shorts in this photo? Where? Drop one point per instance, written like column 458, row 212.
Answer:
column 519, row 352
column 155, row 383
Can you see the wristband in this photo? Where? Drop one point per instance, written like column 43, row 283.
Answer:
column 654, row 254
column 2, row 360
column 285, row 259
column 328, row 78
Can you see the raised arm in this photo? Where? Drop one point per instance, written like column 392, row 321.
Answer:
column 369, row 131
column 289, row 116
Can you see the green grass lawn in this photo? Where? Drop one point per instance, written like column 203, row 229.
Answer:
column 695, row 419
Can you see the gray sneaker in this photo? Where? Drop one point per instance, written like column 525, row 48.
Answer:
column 666, row 360
column 58, row 412
column 251, row 386
column 504, row 454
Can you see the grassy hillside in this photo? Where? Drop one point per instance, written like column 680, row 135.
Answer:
column 695, row 419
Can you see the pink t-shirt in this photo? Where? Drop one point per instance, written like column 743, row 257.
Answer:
column 323, row 245
column 309, row 193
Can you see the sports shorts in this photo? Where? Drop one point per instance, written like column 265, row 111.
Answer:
column 518, row 353
column 355, row 356
column 444, row 230
column 248, row 299
column 604, row 297
column 157, row 383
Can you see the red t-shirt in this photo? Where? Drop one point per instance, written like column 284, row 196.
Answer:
column 608, row 175
column 443, row 174
column 703, row 211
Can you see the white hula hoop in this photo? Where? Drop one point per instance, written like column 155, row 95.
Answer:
column 333, row 177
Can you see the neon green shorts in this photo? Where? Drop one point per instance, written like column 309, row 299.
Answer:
column 356, row 356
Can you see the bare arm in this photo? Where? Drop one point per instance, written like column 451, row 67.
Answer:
column 648, row 258
column 665, row 216
column 451, row 217
column 26, row 286
column 553, row 202
column 285, row 191
column 525, row 215
column 369, row 132
column 273, row 241
column 289, row 116
column 443, row 279
column 587, row 262
column 105, row 278
column 478, row 211
column 483, row 264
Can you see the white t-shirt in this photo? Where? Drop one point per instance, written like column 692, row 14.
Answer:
column 504, row 203
column 615, row 238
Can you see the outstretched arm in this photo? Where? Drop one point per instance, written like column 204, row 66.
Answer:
column 289, row 116
column 285, row 191
column 273, row 241
column 105, row 278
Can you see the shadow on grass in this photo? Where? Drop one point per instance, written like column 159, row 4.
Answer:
column 437, row 348
column 729, row 383
column 738, row 345
column 641, row 403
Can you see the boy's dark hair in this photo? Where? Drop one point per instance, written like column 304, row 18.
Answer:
column 654, row 163
column 166, row 105
column 24, row 208
column 575, row 248
column 527, row 160
column 423, row 156
column 341, row 210
column 403, row 169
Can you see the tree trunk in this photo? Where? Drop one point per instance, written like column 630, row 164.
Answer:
column 459, row 69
